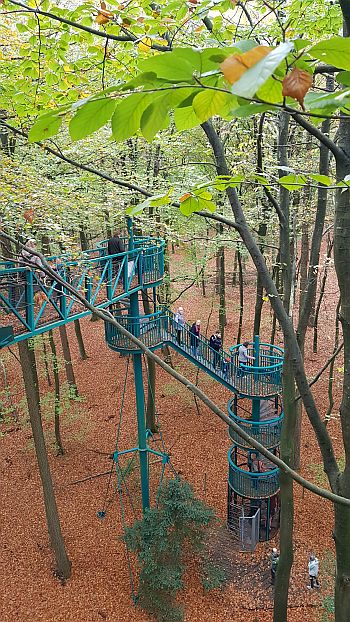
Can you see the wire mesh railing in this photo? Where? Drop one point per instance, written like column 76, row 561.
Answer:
column 253, row 485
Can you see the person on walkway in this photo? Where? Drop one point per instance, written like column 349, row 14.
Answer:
column 194, row 337
column 114, row 247
column 215, row 343
column 179, row 324
column 226, row 367
column 274, row 559
column 313, row 567
column 243, row 358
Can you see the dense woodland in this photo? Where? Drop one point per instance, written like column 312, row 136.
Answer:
column 223, row 129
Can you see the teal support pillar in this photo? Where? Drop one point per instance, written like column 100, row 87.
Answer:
column 140, row 399
column 256, row 401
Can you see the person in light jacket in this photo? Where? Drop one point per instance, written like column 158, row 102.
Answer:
column 313, row 567
column 179, row 324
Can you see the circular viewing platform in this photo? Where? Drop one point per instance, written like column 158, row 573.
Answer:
column 266, row 428
column 147, row 328
column 261, row 377
column 250, row 484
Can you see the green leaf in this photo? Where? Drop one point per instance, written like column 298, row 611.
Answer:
column 137, row 209
column 257, row 75
column 45, row 126
column 194, row 204
column 176, row 66
column 185, row 118
column 221, row 182
column 271, row 91
column 90, row 117
column 327, row 100
column 210, row 102
column 335, row 51
column 293, row 182
column 321, row 179
column 127, row 115
column 248, row 110
column 343, row 77
column 155, row 117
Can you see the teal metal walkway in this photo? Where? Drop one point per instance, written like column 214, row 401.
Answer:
column 262, row 379
column 32, row 303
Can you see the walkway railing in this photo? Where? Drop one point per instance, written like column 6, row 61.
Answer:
column 147, row 328
column 267, row 431
column 31, row 303
column 252, row 485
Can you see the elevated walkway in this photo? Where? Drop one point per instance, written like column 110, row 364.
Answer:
column 32, row 303
column 160, row 327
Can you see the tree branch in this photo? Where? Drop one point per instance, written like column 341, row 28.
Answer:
column 108, row 317
column 93, row 31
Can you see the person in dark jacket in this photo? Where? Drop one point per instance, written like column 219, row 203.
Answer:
column 194, row 337
column 215, row 343
column 114, row 247
column 274, row 558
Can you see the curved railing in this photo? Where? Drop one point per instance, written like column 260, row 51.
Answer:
column 264, row 376
column 31, row 302
column 147, row 328
column 266, row 431
column 252, row 485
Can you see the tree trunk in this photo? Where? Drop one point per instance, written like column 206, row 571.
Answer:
column 80, row 340
column 58, row 439
column 27, row 357
column 342, row 263
column 68, row 361
column 241, row 295
column 151, row 384
column 222, row 287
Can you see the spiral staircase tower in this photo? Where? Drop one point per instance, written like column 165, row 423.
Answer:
column 256, row 406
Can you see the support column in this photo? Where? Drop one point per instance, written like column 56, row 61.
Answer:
column 140, row 399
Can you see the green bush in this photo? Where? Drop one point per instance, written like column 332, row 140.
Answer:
column 162, row 540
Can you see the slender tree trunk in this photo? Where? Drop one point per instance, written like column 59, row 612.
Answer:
column 58, row 439
column 68, row 360
column 151, row 384
column 322, row 290
column 80, row 340
column 46, row 364
column 222, row 288
column 241, row 295
column 304, row 260
column 27, row 357
column 287, row 503
column 342, row 263
column 331, row 367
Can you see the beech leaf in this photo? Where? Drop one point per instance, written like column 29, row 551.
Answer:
column 236, row 65
column 296, row 84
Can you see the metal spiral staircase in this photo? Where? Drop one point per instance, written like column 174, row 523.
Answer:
column 31, row 304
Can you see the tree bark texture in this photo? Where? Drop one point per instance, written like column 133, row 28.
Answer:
column 57, row 410
column 68, row 360
column 27, row 358
column 80, row 340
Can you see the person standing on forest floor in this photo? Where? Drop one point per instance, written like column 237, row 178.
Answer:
column 274, row 559
column 243, row 358
column 179, row 324
column 215, row 343
column 194, row 337
column 313, row 567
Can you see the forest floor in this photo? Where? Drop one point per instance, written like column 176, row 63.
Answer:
column 197, row 442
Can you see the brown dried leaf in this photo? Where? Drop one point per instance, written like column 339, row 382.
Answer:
column 296, row 84
column 236, row 65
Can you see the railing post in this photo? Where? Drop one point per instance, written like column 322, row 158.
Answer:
column 109, row 272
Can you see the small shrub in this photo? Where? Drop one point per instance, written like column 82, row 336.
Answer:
column 162, row 540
